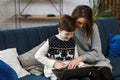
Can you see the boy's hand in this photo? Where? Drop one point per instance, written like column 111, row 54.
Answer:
column 59, row 65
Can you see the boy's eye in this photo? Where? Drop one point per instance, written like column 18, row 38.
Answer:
column 79, row 22
column 66, row 34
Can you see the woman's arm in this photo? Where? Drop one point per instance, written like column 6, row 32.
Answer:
column 77, row 61
column 95, row 53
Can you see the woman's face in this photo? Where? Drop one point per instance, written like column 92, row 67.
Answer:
column 81, row 22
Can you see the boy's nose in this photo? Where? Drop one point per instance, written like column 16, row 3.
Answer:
column 69, row 37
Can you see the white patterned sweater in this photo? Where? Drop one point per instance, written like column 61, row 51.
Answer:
column 44, row 56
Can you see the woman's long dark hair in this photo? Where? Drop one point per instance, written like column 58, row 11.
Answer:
column 86, row 12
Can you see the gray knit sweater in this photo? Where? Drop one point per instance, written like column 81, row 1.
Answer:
column 90, row 49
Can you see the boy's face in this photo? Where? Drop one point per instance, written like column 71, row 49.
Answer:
column 65, row 35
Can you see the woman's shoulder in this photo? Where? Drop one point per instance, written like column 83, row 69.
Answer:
column 95, row 26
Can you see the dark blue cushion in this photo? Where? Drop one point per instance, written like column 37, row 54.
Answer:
column 34, row 77
column 6, row 72
column 114, row 45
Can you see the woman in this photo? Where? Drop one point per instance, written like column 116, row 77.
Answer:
column 89, row 45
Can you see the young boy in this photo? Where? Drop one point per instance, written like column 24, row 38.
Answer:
column 59, row 50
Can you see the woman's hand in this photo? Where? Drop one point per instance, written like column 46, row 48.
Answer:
column 75, row 62
column 59, row 65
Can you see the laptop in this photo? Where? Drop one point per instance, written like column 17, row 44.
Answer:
column 66, row 74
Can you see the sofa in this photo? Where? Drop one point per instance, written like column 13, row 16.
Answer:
column 25, row 39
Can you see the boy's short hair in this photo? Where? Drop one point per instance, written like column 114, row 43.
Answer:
column 67, row 23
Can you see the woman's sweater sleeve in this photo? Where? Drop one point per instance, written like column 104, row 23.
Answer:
column 95, row 53
column 41, row 55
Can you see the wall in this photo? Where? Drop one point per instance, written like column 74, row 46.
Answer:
column 6, row 10
column 39, row 7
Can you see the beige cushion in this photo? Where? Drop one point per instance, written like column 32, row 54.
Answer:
column 29, row 62
column 9, row 56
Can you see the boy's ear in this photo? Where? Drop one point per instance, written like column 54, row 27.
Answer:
column 59, row 29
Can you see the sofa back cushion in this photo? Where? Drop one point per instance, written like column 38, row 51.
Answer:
column 107, row 26
column 25, row 39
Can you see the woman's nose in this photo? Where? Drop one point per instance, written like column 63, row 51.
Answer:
column 81, row 25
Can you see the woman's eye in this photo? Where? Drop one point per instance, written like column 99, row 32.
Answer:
column 78, row 23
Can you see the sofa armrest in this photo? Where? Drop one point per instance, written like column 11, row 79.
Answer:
column 115, row 62
column 6, row 72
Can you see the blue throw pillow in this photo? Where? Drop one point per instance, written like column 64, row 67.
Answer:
column 114, row 45
column 6, row 72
